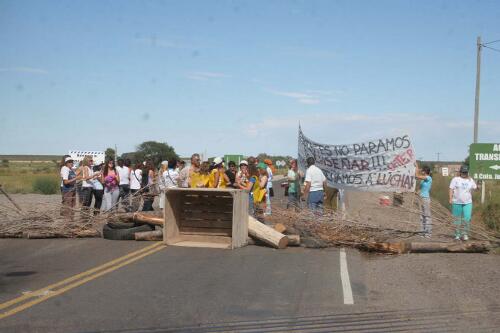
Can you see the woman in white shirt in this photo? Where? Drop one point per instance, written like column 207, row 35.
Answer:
column 161, row 183
column 135, row 186
column 461, row 202
column 87, row 185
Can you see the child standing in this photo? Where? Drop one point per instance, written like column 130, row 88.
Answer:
column 425, row 195
column 461, row 200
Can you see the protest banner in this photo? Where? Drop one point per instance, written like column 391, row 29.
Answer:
column 383, row 165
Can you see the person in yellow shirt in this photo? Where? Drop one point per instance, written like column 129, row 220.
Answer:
column 200, row 179
column 218, row 177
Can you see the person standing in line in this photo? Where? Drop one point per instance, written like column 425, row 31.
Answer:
column 186, row 172
column 218, row 177
column 425, row 188
column 87, row 185
column 170, row 175
column 62, row 164
column 269, row 186
column 256, row 187
column 69, row 179
column 200, row 179
column 135, row 186
column 124, row 186
column 315, row 184
column 242, row 176
column 110, row 179
column 97, row 189
column 148, row 176
column 293, row 178
column 161, row 183
column 460, row 196
column 231, row 174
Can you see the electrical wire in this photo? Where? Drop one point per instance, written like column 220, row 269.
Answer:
column 493, row 41
column 491, row 48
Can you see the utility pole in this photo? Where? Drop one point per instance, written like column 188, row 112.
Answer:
column 476, row 105
column 438, row 156
column 478, row 84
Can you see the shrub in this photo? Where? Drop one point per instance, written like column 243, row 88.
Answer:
column 5, row 163
column 491, row 216
column 46, row 185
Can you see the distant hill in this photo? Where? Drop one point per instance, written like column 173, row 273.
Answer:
column 33, row 158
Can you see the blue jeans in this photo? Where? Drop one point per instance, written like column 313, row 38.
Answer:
column 315, row 200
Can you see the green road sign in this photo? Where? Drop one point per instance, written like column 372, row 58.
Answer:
column 484, row 161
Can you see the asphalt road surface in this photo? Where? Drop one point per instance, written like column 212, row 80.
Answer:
column 253, row 289
column 95, row 285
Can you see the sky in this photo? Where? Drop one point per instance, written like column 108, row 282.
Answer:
column 237, row 77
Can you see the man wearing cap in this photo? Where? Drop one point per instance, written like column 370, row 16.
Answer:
column 460, row 194
column 315, row 184
column 69, row 179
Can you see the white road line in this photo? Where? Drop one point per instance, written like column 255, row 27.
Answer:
column 344, row 277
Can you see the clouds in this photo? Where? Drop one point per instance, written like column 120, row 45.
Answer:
column 204, row 76
column 24, row 70
column 308, row 97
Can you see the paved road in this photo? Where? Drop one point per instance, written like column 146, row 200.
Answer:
column 252, row 289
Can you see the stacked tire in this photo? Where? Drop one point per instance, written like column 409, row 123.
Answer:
column 123, row 230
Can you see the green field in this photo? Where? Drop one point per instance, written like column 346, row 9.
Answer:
column 19, row 177
column 28, row 158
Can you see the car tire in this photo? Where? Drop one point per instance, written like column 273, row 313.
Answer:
column 121, row 225
column 123, row 234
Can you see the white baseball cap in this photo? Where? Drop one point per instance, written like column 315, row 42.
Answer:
column 164, row 163
column 244, row 163
column 67, row 159
column 218, row 160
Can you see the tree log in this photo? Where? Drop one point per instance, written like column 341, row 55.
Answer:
column 156, row 235
column 266, row 234
column 464, row 247
column 280, row 227
column 426, row 247
column 293, row 240
column 142, row 218
column 39, row 235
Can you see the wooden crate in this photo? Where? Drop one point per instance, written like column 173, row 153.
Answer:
column 206, row 217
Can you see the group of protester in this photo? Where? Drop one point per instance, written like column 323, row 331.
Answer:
column 107, row 185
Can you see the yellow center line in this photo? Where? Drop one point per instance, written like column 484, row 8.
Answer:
column 76, row 284
column 75, row 277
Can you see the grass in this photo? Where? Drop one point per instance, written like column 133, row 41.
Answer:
column 34, row 158
column 20, row 177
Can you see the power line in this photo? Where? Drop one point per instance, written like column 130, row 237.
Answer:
column 493, row 41
column 491, row 48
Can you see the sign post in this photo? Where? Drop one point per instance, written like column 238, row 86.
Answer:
column 484, row 163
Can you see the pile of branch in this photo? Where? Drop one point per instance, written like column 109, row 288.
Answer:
column 403, row 235
column 33, row 224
